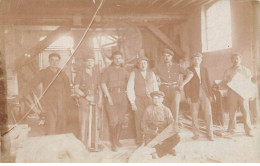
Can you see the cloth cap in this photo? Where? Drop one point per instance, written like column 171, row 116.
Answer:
column 157, row 93
column 168, row 51
column 143, row 58
column 89, row 57
column 197, row 54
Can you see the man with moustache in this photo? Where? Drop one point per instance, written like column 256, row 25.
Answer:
column 113, row 83
column 141, row 83
column 170, row 77
column 234, row 101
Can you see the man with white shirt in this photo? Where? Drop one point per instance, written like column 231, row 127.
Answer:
column 233, row 99
column 141, row 83
column 199, row 93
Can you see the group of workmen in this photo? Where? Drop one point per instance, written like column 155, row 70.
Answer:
column 154, row 96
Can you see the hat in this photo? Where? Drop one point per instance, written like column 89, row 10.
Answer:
column 196, row 54
column 168, row 51
column 157, row 93
column 116, row 53
column 142, row 58
column 235, row 55
column 89, row 57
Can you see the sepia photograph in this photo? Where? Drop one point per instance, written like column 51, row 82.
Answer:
column 129, row 81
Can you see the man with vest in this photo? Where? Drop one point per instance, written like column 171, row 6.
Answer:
column 199, row 93
column 113, row 83
column 170, row 75
column 87, row 83
column 141, row 83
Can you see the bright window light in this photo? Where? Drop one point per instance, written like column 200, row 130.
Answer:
column 216, row 26
column 62, row 42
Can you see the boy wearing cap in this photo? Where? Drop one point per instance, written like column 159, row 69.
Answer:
column 170, row 77
column 56, row 99
column 199, row 93
column 113, row 82
column 233, row 99
column 87, row 83
column 156, row 118
column 141, row 83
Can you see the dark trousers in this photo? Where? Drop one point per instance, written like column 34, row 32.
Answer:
column 172, row 99
column 205, row 104
column 141, row 103
column 235, row 102
column 167, row 145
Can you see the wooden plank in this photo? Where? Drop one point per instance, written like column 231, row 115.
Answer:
column 40, row 46
column 158, row 33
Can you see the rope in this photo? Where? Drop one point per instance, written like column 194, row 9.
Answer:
column 54, row 78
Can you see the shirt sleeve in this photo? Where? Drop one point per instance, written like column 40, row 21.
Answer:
column 130, row 88
column 248, row 74
column 77, row 78
column 184, row 71
column 155, row 83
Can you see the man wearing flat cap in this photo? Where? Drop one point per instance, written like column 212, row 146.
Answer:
column 199, row 93
column 156, row 118
column 113, row 82
column 56, row 99
column 141, row 83
column 87, row 86
column 170, row 77
column 233, row 99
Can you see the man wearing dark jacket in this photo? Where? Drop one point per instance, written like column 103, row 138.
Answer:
column 198, row 93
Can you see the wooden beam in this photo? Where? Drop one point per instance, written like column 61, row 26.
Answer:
column 41, row 45
column 176, row 3
column 189, row 3
column 166, row 40
column 165, row 3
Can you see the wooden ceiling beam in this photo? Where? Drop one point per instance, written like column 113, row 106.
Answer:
column 189, row 3
column 163, row 4
column 40, row 46
column 176, row 3
column 166, row 40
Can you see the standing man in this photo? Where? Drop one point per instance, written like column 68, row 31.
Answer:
column 141, row 83
column 233, row 99
column 199, row 93
column 87, row 83
column 113, row 82
column 56, row 99
column 170, row 77
column 156, row 118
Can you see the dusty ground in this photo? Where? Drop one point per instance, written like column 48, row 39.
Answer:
column 239, row 148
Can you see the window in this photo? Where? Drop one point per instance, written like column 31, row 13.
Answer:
column 216, row 26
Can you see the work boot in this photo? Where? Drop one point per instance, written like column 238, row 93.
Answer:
column 117, row 135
